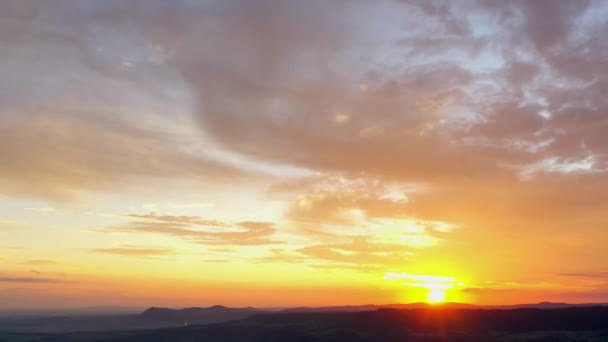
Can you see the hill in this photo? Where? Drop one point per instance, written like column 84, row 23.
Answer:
column 390, row 325
column 152, row 318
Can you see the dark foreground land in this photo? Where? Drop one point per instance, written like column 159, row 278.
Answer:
column 433, row 324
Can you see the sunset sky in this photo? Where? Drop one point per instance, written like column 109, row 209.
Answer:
column 286, row 153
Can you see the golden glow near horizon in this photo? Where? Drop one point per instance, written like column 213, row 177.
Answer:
column 436, row 286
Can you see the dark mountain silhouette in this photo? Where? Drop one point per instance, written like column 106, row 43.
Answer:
column 354, row 321
column 372, row 307
column 449, row 305
column 574, row 324
column 152, row 318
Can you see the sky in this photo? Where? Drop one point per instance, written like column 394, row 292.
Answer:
column 302, row 153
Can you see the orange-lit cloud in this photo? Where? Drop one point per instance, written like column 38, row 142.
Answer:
column 200, row 230
column 30, row 280
column 134, row 251
column 34, row 277
column 39, row 262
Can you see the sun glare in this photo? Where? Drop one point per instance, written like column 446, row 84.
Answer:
column 435, row 286
column 436, row 296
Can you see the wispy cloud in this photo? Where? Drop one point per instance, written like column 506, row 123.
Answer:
column 9, row 223
column 357, row 253
column 33, row 280
column 42, row 209
column 199, row 230
column 134, row 251
column 601, row 275
column 511, row 287
column 39, row 262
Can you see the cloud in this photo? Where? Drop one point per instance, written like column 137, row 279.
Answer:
column 513, row 287
column 467, row 107
column 340, row 200
column 339, row 207
column 39, row 262
column 189, row 220
column 9, row 223
column 463, row 100
column 190, row 205
column 447, row 122
column 33, row 280
column 599, row 275
column 78, row 121
column 359, row 223
column 134, row 251
column 392, row 104
column 339, row 255
column 43, row 209
column 109, row 153
column 361, row 253
column 488, row 290
column 198, row 230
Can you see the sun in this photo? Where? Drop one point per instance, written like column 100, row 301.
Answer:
column 435, row 289
column 436, row 296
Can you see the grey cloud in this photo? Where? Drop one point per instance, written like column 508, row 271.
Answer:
column 292, row 75
column 59, row 156
column 72, row 121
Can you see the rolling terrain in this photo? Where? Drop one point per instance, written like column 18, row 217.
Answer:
column 152, row 318
column 588, row 323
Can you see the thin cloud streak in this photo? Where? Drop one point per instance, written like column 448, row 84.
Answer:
column 134, row 251
column 198, row 230
column 33, row 280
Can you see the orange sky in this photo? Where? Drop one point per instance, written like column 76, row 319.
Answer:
column 272, row 154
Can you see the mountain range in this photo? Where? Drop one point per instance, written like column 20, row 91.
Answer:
column 543, row 323
column 155, row 318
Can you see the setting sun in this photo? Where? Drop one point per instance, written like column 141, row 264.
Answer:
column 436, row 296
column 434, row 287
